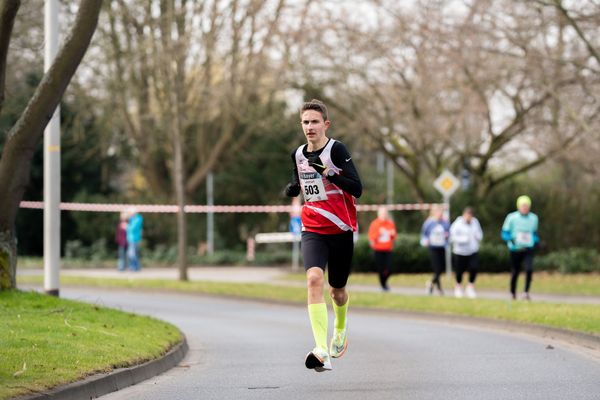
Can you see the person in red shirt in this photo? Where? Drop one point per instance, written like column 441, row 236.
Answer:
column 382, row 233
column 326, row 176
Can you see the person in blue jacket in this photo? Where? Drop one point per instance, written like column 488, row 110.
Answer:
column 520, row 232
column 434, row 236
column 135, row 226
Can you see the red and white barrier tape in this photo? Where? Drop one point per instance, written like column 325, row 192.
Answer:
column 155, row 208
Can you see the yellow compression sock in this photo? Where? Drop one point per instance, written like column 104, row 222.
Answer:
column 318, row 321
column 340, row 315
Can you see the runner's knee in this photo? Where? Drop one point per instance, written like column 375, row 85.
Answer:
column 314, row 278
column 338, row 295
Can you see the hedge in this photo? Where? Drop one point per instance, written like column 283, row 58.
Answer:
column 408, row 256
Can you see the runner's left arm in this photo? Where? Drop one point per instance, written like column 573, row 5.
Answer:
column 348, row 180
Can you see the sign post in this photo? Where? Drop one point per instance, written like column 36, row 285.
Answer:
column 447, row 184
column 296, row 230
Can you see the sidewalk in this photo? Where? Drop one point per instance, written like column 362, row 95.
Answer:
column 276, row 276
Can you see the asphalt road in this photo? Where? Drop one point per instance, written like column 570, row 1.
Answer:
column 253, row 350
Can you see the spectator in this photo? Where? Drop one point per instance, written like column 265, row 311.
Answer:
column 465, row 235
column 382, row 233
column 519, row 231
column 434, row 236
column 121, row 240
column 134, row 237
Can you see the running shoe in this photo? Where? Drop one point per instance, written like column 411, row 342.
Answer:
column 471, row 291
column 318, row 359
column 458, row 292
column 429, row 288
column 526, row 296
column 339, row 343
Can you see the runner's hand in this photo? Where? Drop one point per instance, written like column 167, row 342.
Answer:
column 292, row 190
column 316, row 163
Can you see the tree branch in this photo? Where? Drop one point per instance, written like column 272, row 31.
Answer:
column 8, row 13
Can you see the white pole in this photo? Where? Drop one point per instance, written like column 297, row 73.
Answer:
column 51, row 163
column 448, row 249
column 295, row 255
column 210, row 216
column 390, row 181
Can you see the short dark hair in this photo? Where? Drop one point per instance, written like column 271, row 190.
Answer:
column 316, row 105
column 468, row 210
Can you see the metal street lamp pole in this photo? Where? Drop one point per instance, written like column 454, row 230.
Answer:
column 51, row 163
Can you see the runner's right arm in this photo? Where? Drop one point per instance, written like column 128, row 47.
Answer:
column 293, row 188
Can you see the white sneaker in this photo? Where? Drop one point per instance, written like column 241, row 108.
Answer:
column 458, row 292
column 318, row 359
column 339, row 343
column 471, row 291
column 429, row 288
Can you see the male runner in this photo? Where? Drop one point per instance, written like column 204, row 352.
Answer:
column 325, row 173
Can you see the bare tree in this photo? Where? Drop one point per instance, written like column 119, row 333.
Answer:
column 197, row 75
column 493, row 87
column 24, row 136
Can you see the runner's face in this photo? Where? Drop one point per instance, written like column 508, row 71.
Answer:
column 524, row 208
column 313, row 126
column 467, row 217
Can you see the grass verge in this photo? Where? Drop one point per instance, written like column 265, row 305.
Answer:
column 46, row 341
column 576, row 317
column 543, row 282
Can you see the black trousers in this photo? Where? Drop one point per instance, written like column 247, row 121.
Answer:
column 519, row 259
column 465, row 263
column 437, row 256
column 383, row 260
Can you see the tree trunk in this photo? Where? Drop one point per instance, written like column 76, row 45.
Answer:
column 25, row 135
column 181, row 216
column 179, row 180
column 8, row 260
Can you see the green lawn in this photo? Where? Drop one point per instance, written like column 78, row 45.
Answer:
column 543, row 282
column 584, row 318
column 46, row 341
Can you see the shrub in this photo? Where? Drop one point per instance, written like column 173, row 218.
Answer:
column 571, row 261
column 410, row 257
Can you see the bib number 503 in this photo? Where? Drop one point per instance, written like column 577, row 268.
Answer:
column 311, row 189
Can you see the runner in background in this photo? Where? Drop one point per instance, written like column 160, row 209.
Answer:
column 326, row 176
column 434, row 236
column 135, row 226
column 465, row 235
column 382, row 233
column 520, row 232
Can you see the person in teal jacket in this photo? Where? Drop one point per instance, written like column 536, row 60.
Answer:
column 135, row 226
column 520, row 232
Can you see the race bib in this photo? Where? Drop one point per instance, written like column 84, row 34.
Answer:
column 437, row 237
column 313, row 188
column 524, row 239
column 461, row 237
column 384, row 236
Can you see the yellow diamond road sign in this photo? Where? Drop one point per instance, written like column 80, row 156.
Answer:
column 446, row 183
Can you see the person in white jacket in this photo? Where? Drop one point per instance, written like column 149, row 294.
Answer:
column 465, row 235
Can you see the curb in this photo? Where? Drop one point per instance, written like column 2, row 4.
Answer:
column 101, row 384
